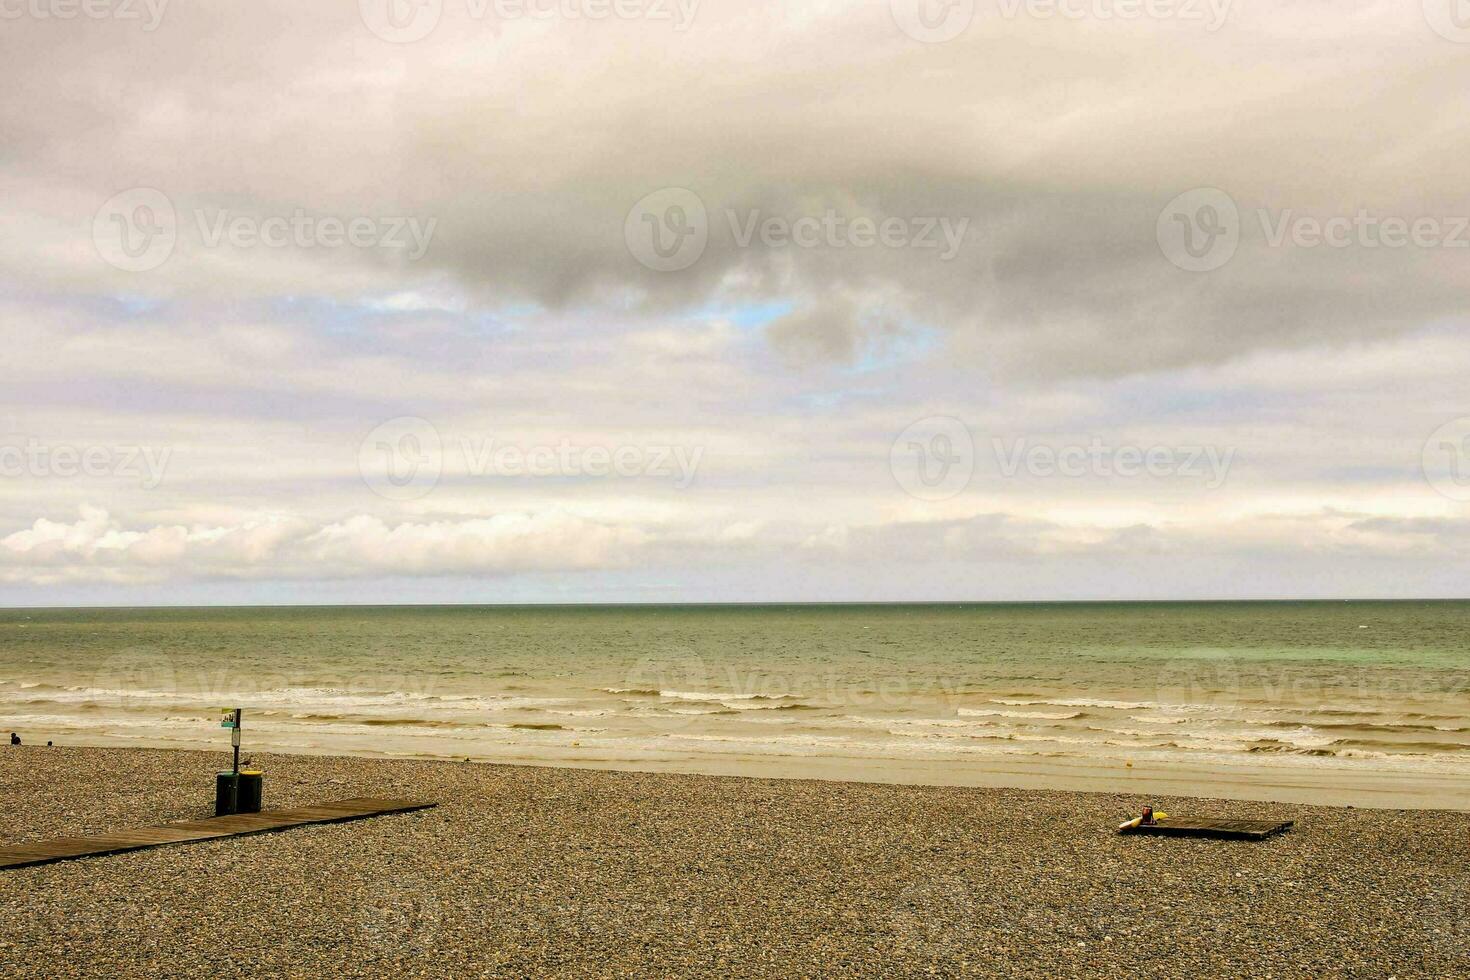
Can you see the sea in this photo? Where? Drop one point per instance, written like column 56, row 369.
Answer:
column 1360, row 703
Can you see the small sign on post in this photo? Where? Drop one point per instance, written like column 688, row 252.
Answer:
column 230, row 718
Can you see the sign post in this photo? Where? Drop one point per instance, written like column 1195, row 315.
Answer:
column 230, row 718
column 236, row 791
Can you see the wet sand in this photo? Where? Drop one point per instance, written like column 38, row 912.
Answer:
column 525, row 871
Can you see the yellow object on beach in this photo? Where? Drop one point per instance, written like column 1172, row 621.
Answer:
column 1138, row 821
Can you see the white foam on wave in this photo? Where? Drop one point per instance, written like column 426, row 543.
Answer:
column 1050, row 715
column 1304, row 737
column 1078, row 703
column 710, row 696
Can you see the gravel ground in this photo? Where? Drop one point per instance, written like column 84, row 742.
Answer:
column 535, row 872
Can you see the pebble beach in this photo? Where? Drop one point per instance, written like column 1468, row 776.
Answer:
column 531, row 871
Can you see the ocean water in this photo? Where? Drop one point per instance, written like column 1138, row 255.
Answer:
column 1339, row 702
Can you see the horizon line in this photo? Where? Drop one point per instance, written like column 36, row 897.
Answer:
column 746, row 603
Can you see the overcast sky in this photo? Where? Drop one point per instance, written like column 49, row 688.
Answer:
column 728, row 300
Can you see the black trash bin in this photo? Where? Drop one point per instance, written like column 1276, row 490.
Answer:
column 226, row 793
column 251, row 785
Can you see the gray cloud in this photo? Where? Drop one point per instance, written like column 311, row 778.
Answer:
column 1058, row 142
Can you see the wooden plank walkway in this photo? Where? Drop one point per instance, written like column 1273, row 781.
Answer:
column 188, row 831
column 1212, row 827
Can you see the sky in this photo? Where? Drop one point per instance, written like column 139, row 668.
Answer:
column 733, row 300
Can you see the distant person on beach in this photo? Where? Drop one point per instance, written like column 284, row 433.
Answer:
column 14, row 739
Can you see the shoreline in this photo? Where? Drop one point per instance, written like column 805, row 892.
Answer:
column 524, row 870
column 1358, row 786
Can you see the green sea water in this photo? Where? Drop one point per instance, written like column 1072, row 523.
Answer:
column 1356, row 700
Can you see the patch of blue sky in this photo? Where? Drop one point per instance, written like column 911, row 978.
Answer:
column 910, row 344
column 364, row 316
column 745, row 316
column 104, row 306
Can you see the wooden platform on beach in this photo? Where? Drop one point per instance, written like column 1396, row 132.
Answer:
column 1211, row 827
column 211, row 828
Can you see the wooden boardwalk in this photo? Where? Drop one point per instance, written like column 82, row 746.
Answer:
column 1211, row 827
column 188, row 831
